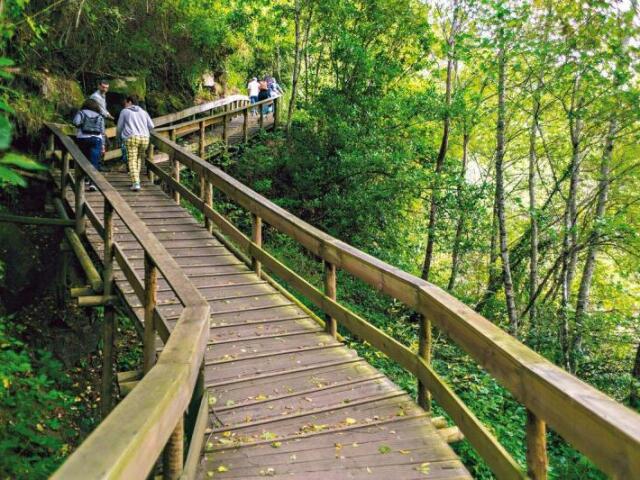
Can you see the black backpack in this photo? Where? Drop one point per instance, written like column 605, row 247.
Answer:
column 91, row 125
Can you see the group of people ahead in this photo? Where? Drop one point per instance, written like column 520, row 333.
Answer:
column 263, row 89
column 132, row 132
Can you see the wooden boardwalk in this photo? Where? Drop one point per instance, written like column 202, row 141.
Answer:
column 286, row 398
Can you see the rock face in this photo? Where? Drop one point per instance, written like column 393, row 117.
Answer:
column 119, row 88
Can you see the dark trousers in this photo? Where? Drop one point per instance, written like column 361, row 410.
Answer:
column 92, row 149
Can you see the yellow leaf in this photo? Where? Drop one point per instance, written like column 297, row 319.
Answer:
column 350, row 421
column 222, row 469
column 261, row 397
column 39, row 427
column 227, row 434
column 276, row 444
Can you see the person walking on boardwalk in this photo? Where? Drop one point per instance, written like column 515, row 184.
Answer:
column 133, row 128
column 264, row 95
column 100, row 97
column 90, row 134
column 254, row 90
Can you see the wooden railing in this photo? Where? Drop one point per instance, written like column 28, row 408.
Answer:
column 604, row 430
column 150, row 419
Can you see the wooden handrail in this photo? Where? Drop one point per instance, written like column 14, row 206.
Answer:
column 128, row 442
column 604, row 430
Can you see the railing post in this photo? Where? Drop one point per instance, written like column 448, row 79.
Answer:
column 206, row 194
column 245, row 125
column 51, row 145
column 64, row 175
column 261, row 107
column 106, row 400
column 536, row 447
column 424, row 351
column 173, row 457
column 150, row 300
column 201, row 142
column 225, row 130
column 150, row 158
column 175, row 173
column 80, row 200
column 330, row 290
column 276, row 111
column 256, row 237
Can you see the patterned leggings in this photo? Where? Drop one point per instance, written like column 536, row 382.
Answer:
column 136, row 147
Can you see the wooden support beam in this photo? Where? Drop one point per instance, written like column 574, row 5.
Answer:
column 424, row 351
column 175, row 173
column 96, row 300
column 108, row 347
column 206, row 194
column 330, row 290
column 55, row 222
column 85, row 291
column 173, row 457
column 245, row 125
column 81, row 222
column 150, row 300
column 451, row 434
column 64, row 174
column 276, row 112
column 256, row 237
column 537, row 461
column 201, row 143
column 151, row 159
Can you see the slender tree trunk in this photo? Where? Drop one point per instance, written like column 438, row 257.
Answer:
column 444, row 145
column 296, row 62
column 493, row 282
column 570, row 236
column 456, row 254
column 634, row 394
column 442, row 153
column 500, row 195
column 533, row 218
column 582, row 303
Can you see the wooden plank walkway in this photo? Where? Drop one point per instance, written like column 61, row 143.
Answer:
column 286, row 399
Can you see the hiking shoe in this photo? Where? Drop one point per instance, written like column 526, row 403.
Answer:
column 91, row 188
column 135, row 187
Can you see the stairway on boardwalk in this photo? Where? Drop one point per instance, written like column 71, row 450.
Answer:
column 286, row 399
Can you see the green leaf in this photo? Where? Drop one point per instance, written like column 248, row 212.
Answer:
column 20, row 161
column 9, row 176
column 5, row 133
column 4, row 106
column 6, row 62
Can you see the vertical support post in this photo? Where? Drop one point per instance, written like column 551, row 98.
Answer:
column 150, row 158
column 261, row 116
column 424, row 351
column 108, row 328
column 173, row 458
column 276, row 112
column 537, row 461
column 150, row 300
column 225, row 131
column 81, row 224
column 331, row 291
column 256, row 237
column 206, row 194
column 201, row 141
column 245, row 125
column 64, row 175
column 51, row 145
column 175, row 173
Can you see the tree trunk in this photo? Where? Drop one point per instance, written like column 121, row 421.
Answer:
column 296, row 63
column 456, row 254
column 500, row 195
column 494, row 280
column 533, row 217
column 444, row 145
column 570, row 219
column 582, row 303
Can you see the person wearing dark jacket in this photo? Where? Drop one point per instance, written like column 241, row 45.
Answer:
column 134, row 125
column 90, row 134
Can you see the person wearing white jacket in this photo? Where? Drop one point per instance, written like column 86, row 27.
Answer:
column 134, row 126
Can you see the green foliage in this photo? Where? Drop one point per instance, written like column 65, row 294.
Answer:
column 33, row 440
